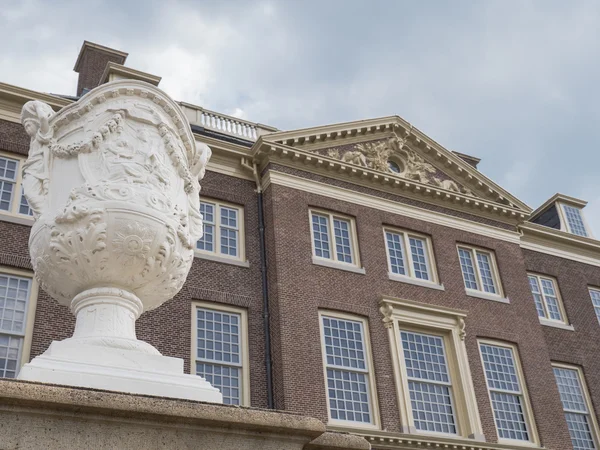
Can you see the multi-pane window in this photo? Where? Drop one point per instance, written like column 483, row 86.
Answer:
column 14, row 300
column 576, row 407
column 12, row 199
column 333, row 237
column 546, row 298
column 219, row 349
column 506, row 392
column 223, row 230
column 409, row 255
column 575, row 222
column 479, row 270
column 595, row 295
column 347, row 370
column 429, row 382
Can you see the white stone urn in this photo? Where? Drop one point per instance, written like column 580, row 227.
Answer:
column 113, row 181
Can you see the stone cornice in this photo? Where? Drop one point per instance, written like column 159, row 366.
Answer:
column 264, row 152
column 560, row 243
column 382, row 439
column 338, row 134
column 12, row 98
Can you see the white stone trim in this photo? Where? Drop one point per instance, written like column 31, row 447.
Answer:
column 222, row 259
column 337, row 265
column 534, row 439
column 342, row 424
column 499, row 296
column 415, row 281
column 371, row 201
column 216, row 255
column 13, row 215
column 595, row 428
column 447, row 323
column 332, row 261
column 556, row 324
column 27, row 334
column 486, row 296
column 244, row 344
column 406, row 235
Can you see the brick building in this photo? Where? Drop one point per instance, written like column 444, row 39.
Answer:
column 359, row 273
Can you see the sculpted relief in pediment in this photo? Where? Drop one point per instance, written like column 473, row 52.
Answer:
column 393, row 156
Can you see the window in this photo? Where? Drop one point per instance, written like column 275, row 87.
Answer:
column 547, row 299
column 220, row 350
column 479, row 270
column 577, row 406
column 223, row 230
column 428, row 382
column 595, row 295
column 510, row 403
column 350, row 387
column 574, row 219
column 334, row 238
column 433, row 379
column 16, row 311
column 409, row 256
column 12, row 199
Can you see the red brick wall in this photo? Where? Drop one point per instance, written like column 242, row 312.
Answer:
column 302, row 288
column 581, row 347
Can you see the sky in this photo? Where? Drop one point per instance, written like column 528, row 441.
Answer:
column 513, row 82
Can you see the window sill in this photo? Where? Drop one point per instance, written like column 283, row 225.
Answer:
column 486, row 296
column 518, row 443
column 415, row 281
column 222, row 259
column 337, row 265
column 552, row 323
column 21, row 220
column 347, row 426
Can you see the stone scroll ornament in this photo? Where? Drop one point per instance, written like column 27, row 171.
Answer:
column 113, row 182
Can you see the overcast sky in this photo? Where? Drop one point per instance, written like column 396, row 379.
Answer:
column 514, row 83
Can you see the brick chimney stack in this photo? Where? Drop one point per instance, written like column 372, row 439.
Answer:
column 92, row 61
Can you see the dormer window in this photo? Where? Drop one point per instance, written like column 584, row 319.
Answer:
column 574, row 221
column 563, row 213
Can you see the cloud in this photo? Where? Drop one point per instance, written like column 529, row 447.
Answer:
column 514, row 83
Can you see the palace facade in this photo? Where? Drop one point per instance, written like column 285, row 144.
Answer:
column 359, row 273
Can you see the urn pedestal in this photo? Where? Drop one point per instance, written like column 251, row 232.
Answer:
column 113, row 181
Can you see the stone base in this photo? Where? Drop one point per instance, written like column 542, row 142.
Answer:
column 36, row 416
column 72, row 363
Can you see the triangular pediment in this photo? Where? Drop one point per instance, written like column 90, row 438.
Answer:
column 395, row 148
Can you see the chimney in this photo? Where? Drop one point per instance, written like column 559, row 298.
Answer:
column 471, row 160
column 91, row 62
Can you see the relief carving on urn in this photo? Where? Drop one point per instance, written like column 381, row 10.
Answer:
column 113, row 182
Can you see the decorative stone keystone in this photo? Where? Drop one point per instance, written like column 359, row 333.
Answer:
column 113, row 182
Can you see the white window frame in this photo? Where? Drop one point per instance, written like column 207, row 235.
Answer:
column 410, row 277
column 401, row 314
column 547, row 320
column 375, row 420
column 530, row 424
column 480, row 292
column 244, row 359
column 594, row 428
column 216, row 255
column 332, row 261
column 13, row 215
column 565, row 226
column 27, row 334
